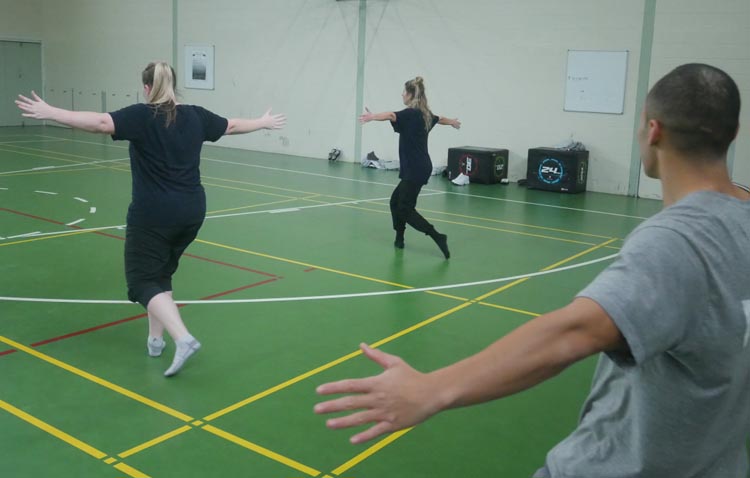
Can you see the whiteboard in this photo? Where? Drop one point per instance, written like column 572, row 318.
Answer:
column 595, row 81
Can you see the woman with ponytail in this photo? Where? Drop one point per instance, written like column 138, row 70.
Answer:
column 168, row 203
column 413, row 124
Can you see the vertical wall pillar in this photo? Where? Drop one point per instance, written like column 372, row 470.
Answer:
column 644, row 70
column 175, row 46
column 360, row 79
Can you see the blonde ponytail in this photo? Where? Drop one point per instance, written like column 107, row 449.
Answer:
column 162, row 81
column 418, row 101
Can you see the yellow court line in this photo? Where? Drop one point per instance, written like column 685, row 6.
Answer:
column 477, row 226
column 40, row 150
column 531, row 226
column 371, row 451
column 130, row 471
column 57, row 433
column 556, row 264
column 511, row 309
column 304, row 264
column 109, row 145
column 65, row 234
column 329, row 365
column 100, row 381
column 155, row 441
column 45, row 157
column 262, row 451
column 300, row 191
column 280, row 386
column 391, row 438
column 234, row 188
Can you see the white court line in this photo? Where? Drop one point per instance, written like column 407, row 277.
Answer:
column 289, row 209
column 47, row 192
column 80, row 199
column 77, row 165
column 267, row 211
column 321, row 297
column 343, row 203
column 32, row 141
column 593, row 211
column 4, row 189
column 25, row 235
column 548, row 205
column 75, row 222
column 84, row 142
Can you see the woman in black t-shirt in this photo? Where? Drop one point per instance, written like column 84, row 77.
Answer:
column 413, row 125
column 168, row 201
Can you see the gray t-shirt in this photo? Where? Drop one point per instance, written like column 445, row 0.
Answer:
column 677, row 405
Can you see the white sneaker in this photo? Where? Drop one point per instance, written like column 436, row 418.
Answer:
column 461, row 180
column 184, row 351
column 155, row 346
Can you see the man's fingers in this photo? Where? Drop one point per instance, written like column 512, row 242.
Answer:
column 36, row 97
column 379, row 357
column 352, row 385
column 376, row 430
column 354, row 420
column 343, row 404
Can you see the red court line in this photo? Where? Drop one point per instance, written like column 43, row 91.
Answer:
column 139, row 316
column 193, row 256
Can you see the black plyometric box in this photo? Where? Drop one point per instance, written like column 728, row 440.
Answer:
column 558, row 170
column 481, row 165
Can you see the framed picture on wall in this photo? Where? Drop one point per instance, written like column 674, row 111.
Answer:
column 199, row 67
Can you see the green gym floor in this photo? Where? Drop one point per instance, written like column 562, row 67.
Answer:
column 79, row 397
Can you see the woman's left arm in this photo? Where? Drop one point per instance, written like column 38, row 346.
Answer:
column 37, row 108
column 449, row 122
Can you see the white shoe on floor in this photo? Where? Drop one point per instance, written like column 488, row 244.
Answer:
column 184, row 350
column 155, row 346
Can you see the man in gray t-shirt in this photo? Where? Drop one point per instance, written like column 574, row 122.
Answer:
column 670, row 317
column 676, row 403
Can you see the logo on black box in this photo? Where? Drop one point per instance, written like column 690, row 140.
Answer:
column 468, row 165
column 551, row 171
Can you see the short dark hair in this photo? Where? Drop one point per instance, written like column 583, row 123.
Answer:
column 699, row 106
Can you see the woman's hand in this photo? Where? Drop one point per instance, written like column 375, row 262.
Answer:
column 34, row 107
column 367, row 116
column 270, row 121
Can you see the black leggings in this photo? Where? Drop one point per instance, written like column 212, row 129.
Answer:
column 151, row 258
column 403, row 208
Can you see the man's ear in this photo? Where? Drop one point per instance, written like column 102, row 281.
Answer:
column 655, row 132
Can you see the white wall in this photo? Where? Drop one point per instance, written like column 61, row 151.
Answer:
column 92, row 46
column 19, row 20
column 717, row 33
column 498, row 65
column 297, row 57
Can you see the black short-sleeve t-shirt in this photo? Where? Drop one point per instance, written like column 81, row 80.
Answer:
column 165, row 161
column 412, row 145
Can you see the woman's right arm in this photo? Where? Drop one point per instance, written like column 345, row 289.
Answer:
column 90, row 121
column 245, row 125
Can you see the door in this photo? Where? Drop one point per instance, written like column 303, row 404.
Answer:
column 20, row 72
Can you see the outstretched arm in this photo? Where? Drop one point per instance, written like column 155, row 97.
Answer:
column 90, row 121
column 450, row 122
column 368, row 116
column 244, row 125
column 401, row 397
